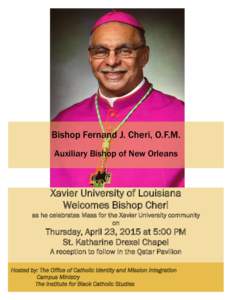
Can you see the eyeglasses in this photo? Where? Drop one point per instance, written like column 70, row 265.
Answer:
column 122, row 52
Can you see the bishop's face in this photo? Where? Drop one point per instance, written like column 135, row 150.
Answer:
column 117, row 57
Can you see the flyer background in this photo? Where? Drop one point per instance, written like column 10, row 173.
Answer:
column 25, row 96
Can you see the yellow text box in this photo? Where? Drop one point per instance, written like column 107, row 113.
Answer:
column 180, row 277
column 159, row 225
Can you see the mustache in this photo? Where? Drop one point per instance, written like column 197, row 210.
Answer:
column 116, row 70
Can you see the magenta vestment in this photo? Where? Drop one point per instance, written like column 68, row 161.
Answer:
column 157, row 107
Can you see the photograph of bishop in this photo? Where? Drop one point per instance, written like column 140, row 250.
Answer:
column 117, row 54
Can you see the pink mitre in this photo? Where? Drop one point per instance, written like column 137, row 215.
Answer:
column 118, row 16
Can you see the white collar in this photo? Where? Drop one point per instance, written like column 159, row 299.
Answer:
column 111, row 100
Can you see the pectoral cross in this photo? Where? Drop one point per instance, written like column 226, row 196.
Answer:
column 100, row 178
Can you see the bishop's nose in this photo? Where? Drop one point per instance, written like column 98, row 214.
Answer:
column 112, row 59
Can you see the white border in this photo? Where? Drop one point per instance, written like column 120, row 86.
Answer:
column 24, row 37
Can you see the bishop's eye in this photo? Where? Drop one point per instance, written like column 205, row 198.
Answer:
column 100, row 52
column 125, row 51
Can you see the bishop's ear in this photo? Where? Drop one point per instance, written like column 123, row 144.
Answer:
column 144, row 57
column 89, row 58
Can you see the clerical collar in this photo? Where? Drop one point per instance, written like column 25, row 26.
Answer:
column 113, row 99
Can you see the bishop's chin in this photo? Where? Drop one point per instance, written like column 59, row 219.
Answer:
column 114, row 89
